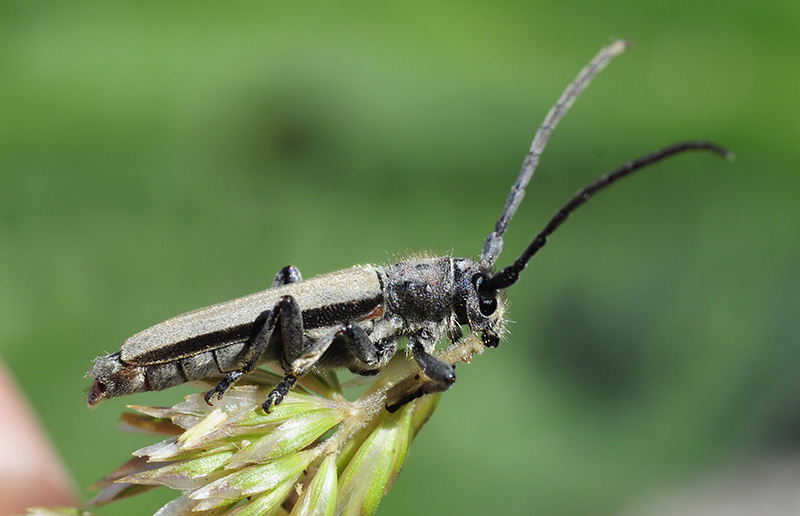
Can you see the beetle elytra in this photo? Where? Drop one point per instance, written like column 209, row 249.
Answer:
column 354, row 318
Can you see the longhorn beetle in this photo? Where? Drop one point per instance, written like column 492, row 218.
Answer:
column 353, row 318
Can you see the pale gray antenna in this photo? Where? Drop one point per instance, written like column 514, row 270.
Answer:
column 493, row 245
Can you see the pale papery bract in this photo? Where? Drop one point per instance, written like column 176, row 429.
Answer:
column 317, row 453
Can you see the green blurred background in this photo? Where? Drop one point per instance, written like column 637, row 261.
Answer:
column 158, row 157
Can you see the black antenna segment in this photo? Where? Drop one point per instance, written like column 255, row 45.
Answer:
column 509, row 275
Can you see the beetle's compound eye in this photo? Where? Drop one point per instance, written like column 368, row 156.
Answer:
column 487, row 305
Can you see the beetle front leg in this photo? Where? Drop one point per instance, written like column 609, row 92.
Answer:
column 440, row 374
column 434, row 367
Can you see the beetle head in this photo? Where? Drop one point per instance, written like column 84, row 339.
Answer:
column 481, row 311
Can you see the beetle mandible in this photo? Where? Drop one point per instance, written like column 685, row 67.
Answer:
column 353, row 318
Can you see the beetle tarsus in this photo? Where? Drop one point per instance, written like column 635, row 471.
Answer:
column 277, row 394
column 223, row 385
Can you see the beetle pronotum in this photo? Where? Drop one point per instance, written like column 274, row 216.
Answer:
column 353, row 318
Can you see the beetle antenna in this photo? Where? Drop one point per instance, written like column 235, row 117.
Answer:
column 508, row 276
column 493, row 245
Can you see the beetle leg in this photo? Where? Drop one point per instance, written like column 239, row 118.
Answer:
column 288, row 311
column 384, row 350
column 291, row 318
column 426, row 387
column 358, row 343
column 434, row 367
column 289, row 274
column 227, row 381
column 300, row 360
column 276, row 395
column 291, row 328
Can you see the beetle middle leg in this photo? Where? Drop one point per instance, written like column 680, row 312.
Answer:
column 358, row 344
